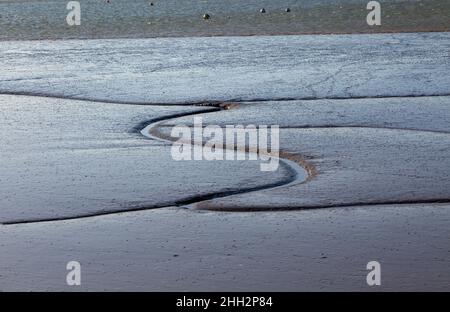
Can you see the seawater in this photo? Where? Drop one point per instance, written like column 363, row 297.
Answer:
column 46, row 19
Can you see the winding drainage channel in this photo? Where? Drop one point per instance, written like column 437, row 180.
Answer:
column 297, row 173
column 300, row 171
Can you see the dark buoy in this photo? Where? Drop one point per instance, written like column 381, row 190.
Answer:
column 262, row 10
column 151, row 3
column 206, row 16
column 288, row 10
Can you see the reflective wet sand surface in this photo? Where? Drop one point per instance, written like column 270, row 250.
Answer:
column 364, row 136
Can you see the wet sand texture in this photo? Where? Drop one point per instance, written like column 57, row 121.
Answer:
column 371, row 124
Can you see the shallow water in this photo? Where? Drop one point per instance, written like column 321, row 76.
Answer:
column 46, row 19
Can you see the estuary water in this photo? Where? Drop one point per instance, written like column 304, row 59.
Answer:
column 46, row 19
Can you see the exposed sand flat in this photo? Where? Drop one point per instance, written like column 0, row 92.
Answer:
column 364, row 151
column 374, row 130
column 402, row 113
column 180, row 70
column 325, row 249
column 181, row 250
column 66, row 159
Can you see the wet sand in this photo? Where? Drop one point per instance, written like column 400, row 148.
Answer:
column 65, row 159
column 182, row 250
column 227, row 69
column 372, row 122
column 358, row 151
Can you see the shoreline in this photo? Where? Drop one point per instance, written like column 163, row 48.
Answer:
column 199, row 36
